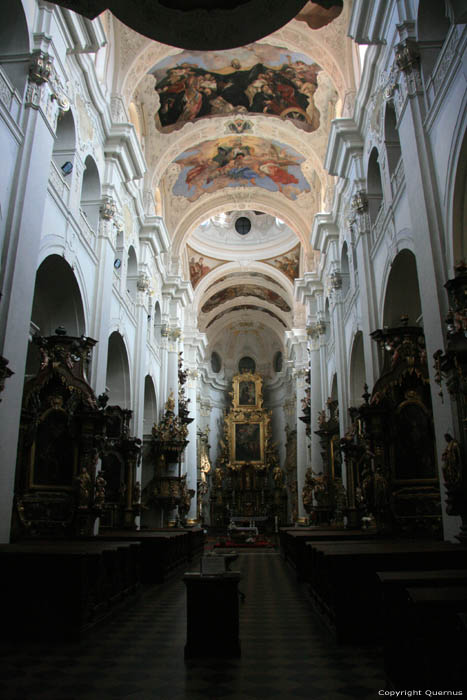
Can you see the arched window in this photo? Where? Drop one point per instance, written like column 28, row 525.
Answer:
column 432, row 29
column 327, row 321
column 118, row 372
column 374, row 186
column 216, row 362
column 345, row 273
column 14, row 44
column 391, row 138
column 132, row 273
column 402, row 296
column 150, row 405
column 65, row 142
column 91, row 194
column 57, row 302
column 157, row 323
column 357, row 370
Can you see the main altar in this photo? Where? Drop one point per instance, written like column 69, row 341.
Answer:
column 248, row 481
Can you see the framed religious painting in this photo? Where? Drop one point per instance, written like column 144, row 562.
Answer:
column 248, row 442
column 247, row 391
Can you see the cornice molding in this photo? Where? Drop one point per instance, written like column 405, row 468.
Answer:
column 367, row 21
column 345, row 142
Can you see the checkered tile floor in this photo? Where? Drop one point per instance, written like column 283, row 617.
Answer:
column 286, row 653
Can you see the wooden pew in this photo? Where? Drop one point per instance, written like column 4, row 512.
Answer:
column 164, row 553
column 293, row 544
column 427, row 643
column 56, row 591
column 344, row 585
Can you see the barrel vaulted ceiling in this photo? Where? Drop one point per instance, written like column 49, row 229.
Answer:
column 241, row 134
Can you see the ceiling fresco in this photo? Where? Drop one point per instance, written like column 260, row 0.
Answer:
column 258, row 275
column 246, row 307
column 255, row 79
column 245, row 290
column 240, row 161
column 319, row 14
column 289, row 263
column 200, row 265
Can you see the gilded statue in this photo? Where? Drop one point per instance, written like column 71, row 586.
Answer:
column 205, row 467
column 218, row 477
column 451, row 457
column 278, row 477
column 100, row 485
column 84, row 485
column 136, row 492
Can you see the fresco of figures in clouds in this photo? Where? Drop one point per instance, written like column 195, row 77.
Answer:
column 245, row 290
column 255, row 79
column 236, row 161
column 289, row 263
column 200, row 265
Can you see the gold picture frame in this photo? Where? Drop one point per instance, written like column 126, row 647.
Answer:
column 247, row 391
column 247, row 440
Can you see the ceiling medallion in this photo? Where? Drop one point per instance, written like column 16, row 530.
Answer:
column 196, row 24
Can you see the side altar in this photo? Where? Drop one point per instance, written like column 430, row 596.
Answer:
column 247, row 481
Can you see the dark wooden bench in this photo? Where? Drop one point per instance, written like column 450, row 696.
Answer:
column 426, row 641
column 55, row 591
column 344, row 585
column 164, row 553
column 293, row 544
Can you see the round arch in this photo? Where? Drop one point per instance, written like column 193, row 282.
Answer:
column 150, row 405
column 402, row 293
column 230, row 320
column 374, row 185
column 91, row 193
column 14, row 43
column 117, row 380
column 57, row 298
column 247, row 200
column 457, row 205
column 357, row 375
column 254, row 266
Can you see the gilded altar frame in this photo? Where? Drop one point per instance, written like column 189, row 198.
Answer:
column 247, row 391
column 247, row 425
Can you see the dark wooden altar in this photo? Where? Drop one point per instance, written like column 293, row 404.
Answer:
column 390, row 449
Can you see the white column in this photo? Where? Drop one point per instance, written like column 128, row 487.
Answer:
column 302, row 441
column 100, row 322
column 369, row 313
column 17, row 279
column 191, row 453
column 427, row 227
column 316, row 400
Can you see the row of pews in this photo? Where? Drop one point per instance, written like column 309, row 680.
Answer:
column 409, row 596
column 55, row 591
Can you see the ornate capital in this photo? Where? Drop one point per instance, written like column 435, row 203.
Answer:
column 142, row 282
column 108, row 208
column 407, row 55
column 40, row 68
column 359, row 202
column 5, row 372
column 335, row 280
column 174, row 334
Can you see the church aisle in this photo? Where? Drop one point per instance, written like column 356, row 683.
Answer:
column 285, row 652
